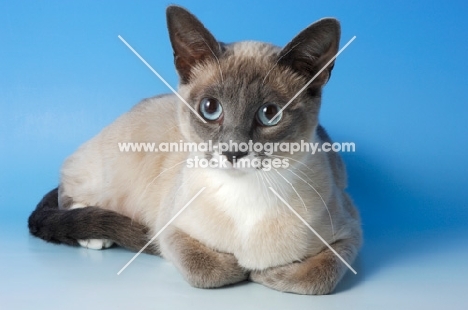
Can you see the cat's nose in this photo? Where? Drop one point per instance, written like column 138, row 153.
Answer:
column 234, row 156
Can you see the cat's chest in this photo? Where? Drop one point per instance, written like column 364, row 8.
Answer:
column 242, row 216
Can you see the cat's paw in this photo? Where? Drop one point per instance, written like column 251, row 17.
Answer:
column 96, row 244
column 211, row 270
column 311, row 277
column 200, row 265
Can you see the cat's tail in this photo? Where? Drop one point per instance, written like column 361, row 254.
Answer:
column 55, row 225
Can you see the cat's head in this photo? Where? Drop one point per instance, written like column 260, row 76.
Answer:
column 237, row 89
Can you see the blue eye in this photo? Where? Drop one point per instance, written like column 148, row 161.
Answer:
column 211, row 109
column 267, row 112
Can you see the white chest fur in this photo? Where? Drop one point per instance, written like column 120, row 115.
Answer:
column 237, row 213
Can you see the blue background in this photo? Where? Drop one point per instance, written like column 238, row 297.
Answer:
column 398, row 92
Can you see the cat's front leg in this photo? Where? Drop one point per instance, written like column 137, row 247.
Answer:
column 316, row 275
column 201, row 266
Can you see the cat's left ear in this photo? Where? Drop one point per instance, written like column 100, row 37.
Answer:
column 312, row 49
column 191, row 41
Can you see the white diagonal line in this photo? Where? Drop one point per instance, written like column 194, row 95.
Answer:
column 312, row 79
column 161, row 78
column 161, row 230
column 313, row 230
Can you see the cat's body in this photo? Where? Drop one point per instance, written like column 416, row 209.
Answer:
column 237, row 227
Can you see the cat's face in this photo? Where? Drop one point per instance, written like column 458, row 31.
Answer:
column 239, row 88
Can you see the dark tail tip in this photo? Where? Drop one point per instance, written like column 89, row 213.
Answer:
column 55, row 225
column 44, row 220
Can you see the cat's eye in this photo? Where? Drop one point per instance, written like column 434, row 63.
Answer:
column 211, row 109
column 266, row 113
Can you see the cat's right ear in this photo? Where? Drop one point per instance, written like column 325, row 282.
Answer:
column 191, row 41
column 312, row 49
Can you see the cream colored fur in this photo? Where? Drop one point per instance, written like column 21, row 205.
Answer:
column 237, row 228
column 236, row 214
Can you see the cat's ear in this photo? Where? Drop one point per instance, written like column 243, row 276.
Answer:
column 191, row 41
column 312, row 49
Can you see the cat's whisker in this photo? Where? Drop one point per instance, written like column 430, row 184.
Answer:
column 260, row 173
column 265, row 186
column 270, row 185
column 321, row 198
column 294, row 189
column 281, row 186
column 258, row 180
column 300, row 162
column 274, row 184
column 267, row 180
column 282, row 189
column 293, row 159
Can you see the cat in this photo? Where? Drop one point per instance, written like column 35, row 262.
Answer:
column 238, row 228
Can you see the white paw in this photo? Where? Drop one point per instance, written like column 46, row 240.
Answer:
column 78, row 205
column 96, row 244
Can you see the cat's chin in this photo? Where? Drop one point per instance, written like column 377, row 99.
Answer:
column 216, row 162
column 236, row 170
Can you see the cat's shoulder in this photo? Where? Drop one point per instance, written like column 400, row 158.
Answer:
column 161, row 108
column 145, row 118
column 336, row 162
column 323, row 134
column 156, row 103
